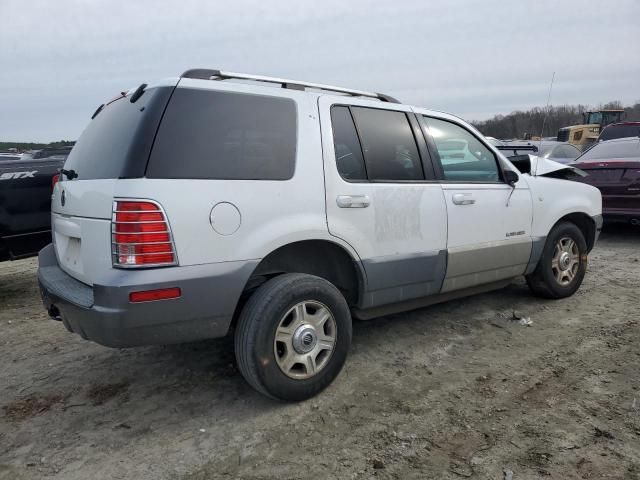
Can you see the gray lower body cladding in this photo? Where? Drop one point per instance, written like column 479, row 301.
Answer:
column 104, row 314
column 537, row 246
column 400, row 278
column 599, row 221
column 403, row 277
column 485, row 263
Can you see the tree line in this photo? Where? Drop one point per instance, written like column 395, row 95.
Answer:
column 22, row 146
column 518, row 124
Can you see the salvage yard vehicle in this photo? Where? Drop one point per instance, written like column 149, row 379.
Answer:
column 58, row 153
column 279, row 210
column 561, row 152
column 613, row 166
column 582, row 136
column 25, row 198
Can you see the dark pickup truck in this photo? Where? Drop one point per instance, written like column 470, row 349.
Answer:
column 25, row 205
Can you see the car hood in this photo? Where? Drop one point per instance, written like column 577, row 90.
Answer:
column 540, row 166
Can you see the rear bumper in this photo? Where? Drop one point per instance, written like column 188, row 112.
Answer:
column 102, row 312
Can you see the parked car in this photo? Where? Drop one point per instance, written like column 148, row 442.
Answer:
column 60, row 153
column 516, row 148
column 561, row 152
column 25, row 198
column 613, row 166
column 620, row 130
column 494, row 141
column 280, row 210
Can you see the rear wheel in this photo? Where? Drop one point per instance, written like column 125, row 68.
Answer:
column 563, row 264
column 293, row 336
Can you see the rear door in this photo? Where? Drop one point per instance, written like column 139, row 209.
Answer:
column 489, row 222
column 382, row 199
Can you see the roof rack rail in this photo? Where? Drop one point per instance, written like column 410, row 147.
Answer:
column 210, row 74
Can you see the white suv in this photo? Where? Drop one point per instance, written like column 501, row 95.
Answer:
column 279, row 210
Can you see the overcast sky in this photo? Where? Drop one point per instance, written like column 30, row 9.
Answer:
column 60, row 59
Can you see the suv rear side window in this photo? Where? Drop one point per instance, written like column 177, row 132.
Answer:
column 390, row 150
column 222, row 135
column 349, row 159
column 462, row 156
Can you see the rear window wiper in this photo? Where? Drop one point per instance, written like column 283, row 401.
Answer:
column 70, row 174
column 138, row 93
column 98, row 110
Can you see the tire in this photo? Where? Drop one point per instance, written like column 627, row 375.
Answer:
column 293, row 305
column 550, row 279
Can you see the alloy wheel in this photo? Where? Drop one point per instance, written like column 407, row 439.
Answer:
column 305, row 339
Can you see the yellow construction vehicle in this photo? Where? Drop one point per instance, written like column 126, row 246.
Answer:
column 583, row 135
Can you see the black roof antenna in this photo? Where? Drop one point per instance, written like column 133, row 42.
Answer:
column 546, row 113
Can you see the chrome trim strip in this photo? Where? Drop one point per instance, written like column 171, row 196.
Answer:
column 142, row 243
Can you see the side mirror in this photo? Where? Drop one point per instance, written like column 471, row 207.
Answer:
column 511, row 177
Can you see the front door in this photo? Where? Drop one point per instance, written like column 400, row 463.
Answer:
column 489, row 222
column 382, row 198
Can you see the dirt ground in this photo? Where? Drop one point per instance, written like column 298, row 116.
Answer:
column 452, row 391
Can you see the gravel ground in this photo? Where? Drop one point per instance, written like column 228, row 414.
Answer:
column 452, row 391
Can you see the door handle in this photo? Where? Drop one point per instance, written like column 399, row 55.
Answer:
column 353, row 201
column 463, row 199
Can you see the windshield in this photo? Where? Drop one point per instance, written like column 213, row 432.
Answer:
column 621, row 131
column 560, row 151
column 613, row 150
column 611, row 117
column 594, row 117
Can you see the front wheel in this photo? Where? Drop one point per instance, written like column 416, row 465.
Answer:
column 293, row 336
column 563, row 263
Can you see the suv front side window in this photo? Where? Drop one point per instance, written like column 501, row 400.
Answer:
column 462, row 156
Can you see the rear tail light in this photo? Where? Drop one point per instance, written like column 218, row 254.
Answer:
column 141, row 235
column 55, row 179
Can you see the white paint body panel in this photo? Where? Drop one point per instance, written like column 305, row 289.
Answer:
column 81, row 229
column 554, row 198
column 490, row 218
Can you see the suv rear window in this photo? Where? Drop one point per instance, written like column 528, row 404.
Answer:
column 117, row 142
column 613, row 150
column 222, row 135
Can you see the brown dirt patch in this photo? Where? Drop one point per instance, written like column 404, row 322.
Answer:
column 31, row 406
column 101, row 393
